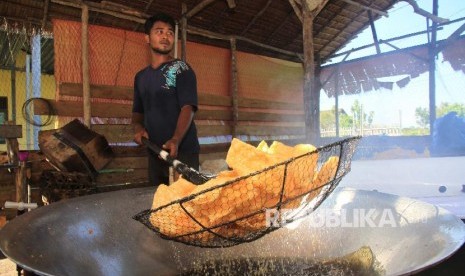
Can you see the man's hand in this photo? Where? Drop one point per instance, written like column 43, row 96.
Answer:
column 172, row 147
column 138, row 127
column 138, row 136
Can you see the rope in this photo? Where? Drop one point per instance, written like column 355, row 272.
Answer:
column 29, row 116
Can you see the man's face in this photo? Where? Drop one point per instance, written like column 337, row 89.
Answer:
column 161, row 38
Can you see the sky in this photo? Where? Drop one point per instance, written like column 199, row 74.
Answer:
column 396, row 107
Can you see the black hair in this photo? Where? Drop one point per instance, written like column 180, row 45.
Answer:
column 163, row 17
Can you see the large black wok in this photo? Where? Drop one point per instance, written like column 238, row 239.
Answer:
column 95, row 235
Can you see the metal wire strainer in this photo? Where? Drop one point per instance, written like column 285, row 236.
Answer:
column 248, row 207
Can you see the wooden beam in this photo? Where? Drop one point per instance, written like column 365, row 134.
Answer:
column 411, row 54
column 366, row 7
column 124, row 133
column 115, row 110
column 98, row 91
column 145, row 11
column 44, row 18
column 96, row 7
column 126, row 93
column 424, row 13
column 11, row 131
column 454, row 36
column 213, row 130
column 264, row 130
column 115, row 133
column 197, row 8
column 212, row 35
column 231, row 4
column 148, row 5
column 257, row 16
column 297, row 10
column 214, row 100
column 267, row 104
column 221, row 115
column 121, row 8
column 270, row 117
column 75, row 109
column 373, row 32
column 314, row 6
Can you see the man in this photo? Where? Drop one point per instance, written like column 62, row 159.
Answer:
column 165, row 100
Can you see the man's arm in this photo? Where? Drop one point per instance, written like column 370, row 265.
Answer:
column 138, row 127
column 184, row 121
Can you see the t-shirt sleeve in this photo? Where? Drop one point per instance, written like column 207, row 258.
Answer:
column 137, row 105
column 187, row 88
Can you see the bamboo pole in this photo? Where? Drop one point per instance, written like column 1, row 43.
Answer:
column 85, row 65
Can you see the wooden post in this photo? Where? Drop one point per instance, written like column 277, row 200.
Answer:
column 432, row 72
column 373, row 32
column 12, row 147
column 235, row 102
column 20, row 182
column 311, row 97
column 12, row 132
column 85, row 65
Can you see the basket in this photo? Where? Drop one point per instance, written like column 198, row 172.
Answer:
column 248, row 207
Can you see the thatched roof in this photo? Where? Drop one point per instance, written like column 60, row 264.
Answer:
column 270, row 23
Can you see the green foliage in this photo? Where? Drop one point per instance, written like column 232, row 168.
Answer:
column 358, row 114
column 345, row 120
column 422, row 114
column 328, row 118
column 413, row 131
column 445, row 108
column 422, row 117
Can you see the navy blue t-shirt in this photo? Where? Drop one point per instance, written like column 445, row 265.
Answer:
column 160, row 94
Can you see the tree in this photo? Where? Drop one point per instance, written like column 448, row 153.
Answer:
column 422, row 113
column 345, row 121
column 328, row 119
column 422, row 116
column 358, row 114
column 445, row 108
